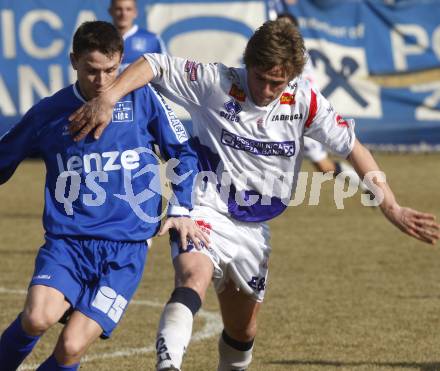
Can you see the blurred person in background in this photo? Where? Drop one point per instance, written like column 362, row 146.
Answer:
column 248, row 126
column 95, row 244
column 137, row 41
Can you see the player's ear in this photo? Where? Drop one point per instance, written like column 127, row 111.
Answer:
column 73, row 61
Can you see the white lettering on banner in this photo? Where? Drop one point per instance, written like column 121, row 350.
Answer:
column 197, row 43
column 28, row 80
column 340, row 74
column 7, row 29
column 401, row 50
column 8, row 44
column 31, row 88
column 354, row 32
column 429, row 109
column 7, row 107
column 26, row 27
column 436, row 42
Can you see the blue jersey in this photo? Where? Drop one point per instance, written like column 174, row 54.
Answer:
column 109, row 188
column 138, row 41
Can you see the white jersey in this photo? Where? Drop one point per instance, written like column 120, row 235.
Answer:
column 251, row 155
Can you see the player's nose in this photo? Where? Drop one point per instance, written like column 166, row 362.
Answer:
column 267, row 90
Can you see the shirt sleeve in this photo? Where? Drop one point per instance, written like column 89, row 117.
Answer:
column 326, row 126
column 182, row 81
column 17, row 144
column 172, row 138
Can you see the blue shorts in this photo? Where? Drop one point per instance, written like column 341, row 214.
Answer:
column 97, row 277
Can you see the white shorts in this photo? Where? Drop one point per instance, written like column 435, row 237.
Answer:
column 314, row 150
column 239, row 251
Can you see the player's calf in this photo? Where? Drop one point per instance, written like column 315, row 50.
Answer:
column 15, row 345
column 79, row 333
column 175, row 328
column 52, row 364
column 234, row 355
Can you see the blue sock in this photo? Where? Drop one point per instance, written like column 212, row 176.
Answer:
column 51, row 364
column 15, row 345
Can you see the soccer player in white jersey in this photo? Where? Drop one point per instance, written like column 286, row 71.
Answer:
column 249, row 125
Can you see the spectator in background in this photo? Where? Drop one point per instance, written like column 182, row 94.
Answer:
column 313, row 150
column 137, row 41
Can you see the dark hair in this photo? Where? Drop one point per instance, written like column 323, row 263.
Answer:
column 276, row 43
column 112, row 2
column 97, row 35
column 288, row 17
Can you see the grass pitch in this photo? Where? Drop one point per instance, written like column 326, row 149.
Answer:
column 346, row 290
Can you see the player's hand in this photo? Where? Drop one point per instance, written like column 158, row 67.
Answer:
column 415, row 223
column 188, row 230
column 95, row 115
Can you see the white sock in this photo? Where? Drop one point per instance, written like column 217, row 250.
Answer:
column 231, row 359
column 173, row 336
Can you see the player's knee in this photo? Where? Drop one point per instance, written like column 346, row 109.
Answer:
column 194, row 271
column 243, row 333
column 70, row 348
column 36, row 321
column 193, row 279
column 188, row 297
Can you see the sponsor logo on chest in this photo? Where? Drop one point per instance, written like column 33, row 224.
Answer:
column 237, row 93
column 256, row 147
column 287, row 98
column 123, row 112
column 287, row 117
column 139, row 44
column 95, row 161
column 233, row 108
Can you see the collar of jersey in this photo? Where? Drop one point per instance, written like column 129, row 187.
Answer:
column 77, row 92
column 130, row 32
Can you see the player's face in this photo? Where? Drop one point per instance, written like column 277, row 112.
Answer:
column 96, row 72
column 123, row 12
column 266, row 86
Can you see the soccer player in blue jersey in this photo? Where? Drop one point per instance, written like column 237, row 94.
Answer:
column 137, row 41
column 102, row 202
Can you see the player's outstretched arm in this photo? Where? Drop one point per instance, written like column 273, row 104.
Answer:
column 96, row 114
column 417, row 224
column 187, row 229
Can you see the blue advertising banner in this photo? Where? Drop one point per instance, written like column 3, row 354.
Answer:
column 378, row 62
column 35, row 40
